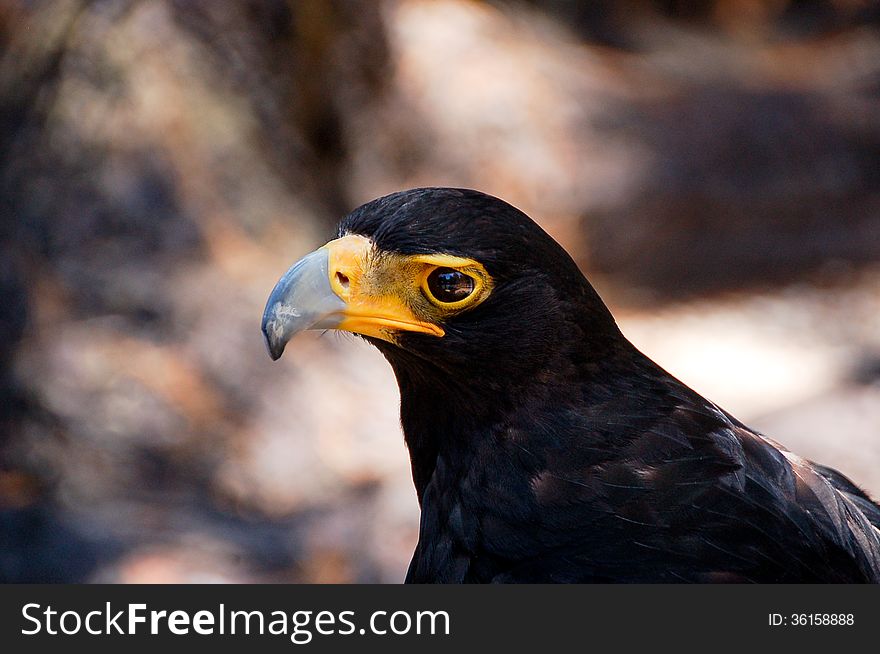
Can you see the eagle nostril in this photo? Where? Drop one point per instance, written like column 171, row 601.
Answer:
column 343, row 280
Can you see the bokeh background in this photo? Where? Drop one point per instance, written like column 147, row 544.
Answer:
column 713, row 166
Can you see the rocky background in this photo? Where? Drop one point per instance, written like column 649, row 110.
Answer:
column 713, row 166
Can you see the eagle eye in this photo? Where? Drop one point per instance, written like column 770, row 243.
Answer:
column 447, row 285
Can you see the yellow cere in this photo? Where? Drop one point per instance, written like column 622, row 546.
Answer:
column 386, row 293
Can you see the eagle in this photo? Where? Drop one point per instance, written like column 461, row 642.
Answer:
column 545, row 448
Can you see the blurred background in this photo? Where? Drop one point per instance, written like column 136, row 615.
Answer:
column 714, row 167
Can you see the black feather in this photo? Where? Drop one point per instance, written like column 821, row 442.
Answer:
column 546, row 448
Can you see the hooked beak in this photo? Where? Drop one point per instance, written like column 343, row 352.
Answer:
column 302, row 299
column 332, row 288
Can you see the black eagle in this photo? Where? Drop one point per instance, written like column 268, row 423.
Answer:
column 544, row 446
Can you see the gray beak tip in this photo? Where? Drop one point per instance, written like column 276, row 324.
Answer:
column 274, row 334
column 302, row 299
column 275, row 349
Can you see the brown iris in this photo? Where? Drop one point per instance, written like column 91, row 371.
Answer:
column 448, row 285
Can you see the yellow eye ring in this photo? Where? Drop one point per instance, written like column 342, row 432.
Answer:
column 465, row 277
column 449, row 287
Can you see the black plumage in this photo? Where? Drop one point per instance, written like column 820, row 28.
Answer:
column 546, row 448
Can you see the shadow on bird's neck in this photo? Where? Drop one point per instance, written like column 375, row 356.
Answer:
column 454, row 414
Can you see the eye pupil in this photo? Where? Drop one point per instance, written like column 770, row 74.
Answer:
column 449, row 285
